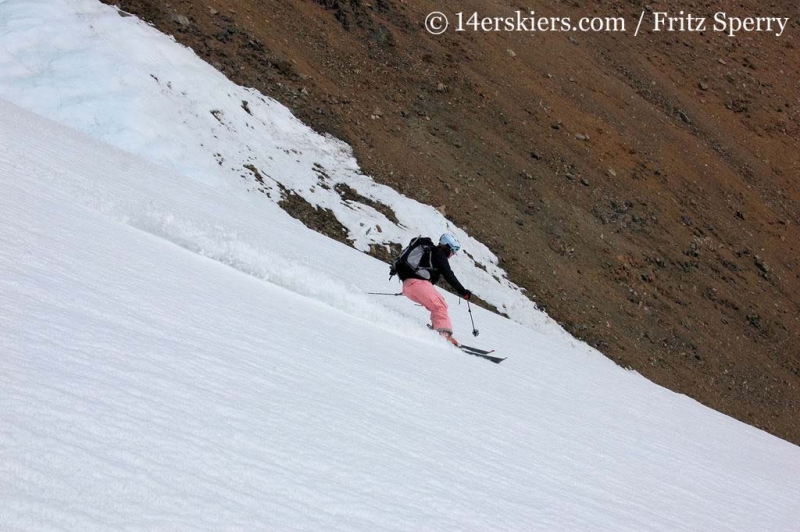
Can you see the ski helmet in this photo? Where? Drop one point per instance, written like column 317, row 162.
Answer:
column 450, row 241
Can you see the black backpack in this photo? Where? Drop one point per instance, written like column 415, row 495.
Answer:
column 414, row 260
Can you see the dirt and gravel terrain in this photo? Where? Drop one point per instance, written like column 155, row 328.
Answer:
column 642, row 188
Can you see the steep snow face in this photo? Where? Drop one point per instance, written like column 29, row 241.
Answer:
column 176, row 353
column 119, row 80
column 154, row 377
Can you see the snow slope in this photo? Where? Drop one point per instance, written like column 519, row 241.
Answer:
column 119, row 80
column 154, row 377
column 176, row 353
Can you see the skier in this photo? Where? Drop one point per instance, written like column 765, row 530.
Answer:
column 419, row 267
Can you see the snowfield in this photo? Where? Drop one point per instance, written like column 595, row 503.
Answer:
column 119, row 80
column 177, row 353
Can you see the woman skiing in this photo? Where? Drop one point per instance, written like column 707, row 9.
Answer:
column 420, row 266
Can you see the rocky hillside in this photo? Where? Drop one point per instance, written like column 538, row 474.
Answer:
column 643, row 189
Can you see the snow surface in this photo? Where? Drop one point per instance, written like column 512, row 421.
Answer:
column 146, row 386
column 176, row 353
column 119, row 80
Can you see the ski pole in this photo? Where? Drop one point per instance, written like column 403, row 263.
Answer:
column 384, row 294
column 475, row 332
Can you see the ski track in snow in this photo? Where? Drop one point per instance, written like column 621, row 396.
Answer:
column 179, row 354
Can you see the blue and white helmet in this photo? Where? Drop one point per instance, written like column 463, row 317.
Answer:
column 450, row 241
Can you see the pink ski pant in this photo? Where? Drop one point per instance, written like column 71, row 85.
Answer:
column 425, row 294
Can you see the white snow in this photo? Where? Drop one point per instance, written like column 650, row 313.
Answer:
column 119, row 80
column 176, row 353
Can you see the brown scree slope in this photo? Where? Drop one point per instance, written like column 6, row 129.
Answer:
column 643, row 189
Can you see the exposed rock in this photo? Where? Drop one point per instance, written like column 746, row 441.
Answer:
column 183, row 20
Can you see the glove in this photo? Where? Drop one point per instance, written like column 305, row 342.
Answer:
column 392, row 272
column 467, row 295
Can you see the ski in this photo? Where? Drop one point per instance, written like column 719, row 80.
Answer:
column 474, row 351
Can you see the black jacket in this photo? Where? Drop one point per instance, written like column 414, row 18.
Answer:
column 440, row 266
